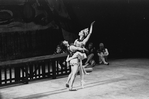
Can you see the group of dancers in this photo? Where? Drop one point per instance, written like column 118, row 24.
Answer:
column 76, row 53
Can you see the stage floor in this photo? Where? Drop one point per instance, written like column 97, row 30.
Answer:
column 122, row 79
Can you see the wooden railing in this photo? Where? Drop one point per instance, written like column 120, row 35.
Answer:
column 25, row 70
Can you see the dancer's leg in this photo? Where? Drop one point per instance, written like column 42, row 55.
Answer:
column 89, row 57
column 100, row 60
column 82, row 72
column 73, row 76
column 68, row 79
column 69, row 76
column 103, row 60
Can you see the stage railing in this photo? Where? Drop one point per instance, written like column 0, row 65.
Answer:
column 28, row 69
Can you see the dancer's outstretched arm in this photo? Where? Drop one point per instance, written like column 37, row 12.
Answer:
column 74, row 48
column 90, row 32
column 76, row 54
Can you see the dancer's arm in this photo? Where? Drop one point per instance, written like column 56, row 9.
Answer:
column 90, row 32
column 77, row 54
column 74, row 48
column 106, row 52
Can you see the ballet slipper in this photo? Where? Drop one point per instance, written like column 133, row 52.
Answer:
column 82, row 84
column 87, row 73
column 72, row 89
column 67, row 85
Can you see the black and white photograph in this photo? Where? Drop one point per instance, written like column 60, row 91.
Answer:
column 74, row 49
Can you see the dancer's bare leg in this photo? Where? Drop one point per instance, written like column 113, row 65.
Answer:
column 73, row 76
column 83, row 67
column 103, row 60
column 68, row 80
column 82, row 72
column 89, row 57
column 69, row 76
column 100, row 60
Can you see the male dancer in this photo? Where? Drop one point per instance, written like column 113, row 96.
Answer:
column 74, row 63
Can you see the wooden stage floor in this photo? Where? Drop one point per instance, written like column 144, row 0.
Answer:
column 122, row 79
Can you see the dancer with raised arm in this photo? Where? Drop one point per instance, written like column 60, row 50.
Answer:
column 84, row 36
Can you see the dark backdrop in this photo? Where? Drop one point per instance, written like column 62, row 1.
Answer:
column 122, row 25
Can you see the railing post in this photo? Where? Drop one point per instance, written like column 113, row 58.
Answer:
column 30, row 65
column 43, row 68
column 26, row 73
column 17, row 73
column 53, row 69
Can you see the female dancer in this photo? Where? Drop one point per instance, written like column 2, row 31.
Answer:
column 84, row 36
column 81, row 42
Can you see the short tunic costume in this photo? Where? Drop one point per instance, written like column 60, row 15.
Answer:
column 79, row 43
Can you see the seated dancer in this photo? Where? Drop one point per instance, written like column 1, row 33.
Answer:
column 74, row 63
column 84, row 36
column 59, row 50
column 91, row 51
column 102, row 53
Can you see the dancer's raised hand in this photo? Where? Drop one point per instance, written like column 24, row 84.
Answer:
column 92, row 22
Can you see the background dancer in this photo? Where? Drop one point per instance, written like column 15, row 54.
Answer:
column 102, row 53
column 91, row 54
